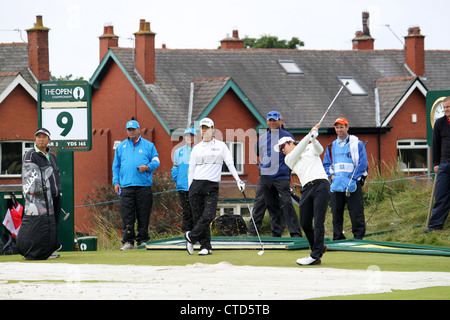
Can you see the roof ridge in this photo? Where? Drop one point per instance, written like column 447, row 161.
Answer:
column 211, row 79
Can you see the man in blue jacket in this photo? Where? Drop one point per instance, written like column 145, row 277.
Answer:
column 134, row 162
column 345, row 163
column 179, row 172
column 275, row 178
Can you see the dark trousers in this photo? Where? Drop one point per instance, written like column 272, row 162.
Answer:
column 187, row 222
column 441, row 196
column 135, row 205
column 203, row 197
column 258, row 211
column 277, row 194
column 313, row 207
column 57, row 212
column 355, row 205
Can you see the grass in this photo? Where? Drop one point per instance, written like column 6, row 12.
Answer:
column 274, row 258
column 395, row 212
column 271, row 258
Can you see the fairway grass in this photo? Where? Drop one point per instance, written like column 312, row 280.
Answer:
column 271, row 258
column 274, row 258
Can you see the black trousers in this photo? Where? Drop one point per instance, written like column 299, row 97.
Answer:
column 135, row 204
column 277, row 194
column 313, row 209
column 187, row 222
column 355, row 205
column 57, row 211
column 203, row 197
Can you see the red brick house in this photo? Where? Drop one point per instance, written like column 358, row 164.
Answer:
column 168, row 89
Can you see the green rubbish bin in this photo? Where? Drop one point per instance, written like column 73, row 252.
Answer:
column 88, row 243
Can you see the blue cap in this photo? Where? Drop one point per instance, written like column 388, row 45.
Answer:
column 191, row 131
column 273, row 115
column 132, row 124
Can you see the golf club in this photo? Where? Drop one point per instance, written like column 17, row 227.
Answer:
column 315, row 134
column 254, row 223
column 347, row 193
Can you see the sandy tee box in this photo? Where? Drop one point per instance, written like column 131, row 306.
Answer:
column 64, row 108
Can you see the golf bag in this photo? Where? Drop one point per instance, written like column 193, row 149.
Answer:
column 230, row 225
column 12, row 222
column 37, row 238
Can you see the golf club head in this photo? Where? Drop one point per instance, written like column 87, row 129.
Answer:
column 347, row 193
column 260, row 253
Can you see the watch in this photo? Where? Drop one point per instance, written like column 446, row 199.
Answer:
column 437, row 111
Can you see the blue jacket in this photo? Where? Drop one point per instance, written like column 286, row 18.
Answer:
column 181, row 167
column 348, row 164
column 128, row 158
column 271, row 162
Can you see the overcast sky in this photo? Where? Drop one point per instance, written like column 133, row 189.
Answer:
column 201, row 24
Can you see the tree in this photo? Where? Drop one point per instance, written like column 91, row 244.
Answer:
column 65, row 78
column 268, row 41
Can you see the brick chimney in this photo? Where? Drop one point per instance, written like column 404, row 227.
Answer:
column 363, row 40
column 145, row 52
column 415, row 51
column 38, row 58
column 232, row 42
column 107, row 40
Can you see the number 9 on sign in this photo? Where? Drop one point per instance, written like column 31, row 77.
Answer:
column 66, row 124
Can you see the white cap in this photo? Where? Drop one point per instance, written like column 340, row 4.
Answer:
column 280, row 142
column 206, row 122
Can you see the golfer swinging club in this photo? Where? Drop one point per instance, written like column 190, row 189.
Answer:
column 304, row 159
column 205, row 170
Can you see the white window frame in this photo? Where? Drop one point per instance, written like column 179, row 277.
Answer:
column 24, row 150
column 415, row 144
column 240, row 161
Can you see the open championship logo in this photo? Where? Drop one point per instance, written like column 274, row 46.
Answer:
column 78, row 93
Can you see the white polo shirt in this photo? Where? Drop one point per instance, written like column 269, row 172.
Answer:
column 304, row 160
column 207, row 159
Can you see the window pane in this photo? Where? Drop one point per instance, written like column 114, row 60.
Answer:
column 236, row 152
column 11, row 158
column 413, row 158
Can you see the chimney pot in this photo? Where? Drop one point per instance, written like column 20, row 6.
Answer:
column 108, row 39
column 415, row 51
column 145, row 52
column 363, row 40
column 232, row 42
column 38, row 57
column 413, row 31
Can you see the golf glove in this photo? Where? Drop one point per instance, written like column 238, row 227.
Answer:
column 314, row 134
column 241, row 185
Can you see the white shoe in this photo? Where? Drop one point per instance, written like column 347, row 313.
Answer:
column 127, row 246
column 204, row 252
column 308, row 261
column 189, row 244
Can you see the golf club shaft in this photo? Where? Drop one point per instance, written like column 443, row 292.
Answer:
column 332, row 102
column 254, row 223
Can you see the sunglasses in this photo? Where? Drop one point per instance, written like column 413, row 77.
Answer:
column 282, row 147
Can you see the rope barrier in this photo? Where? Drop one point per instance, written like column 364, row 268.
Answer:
column 251, row 185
